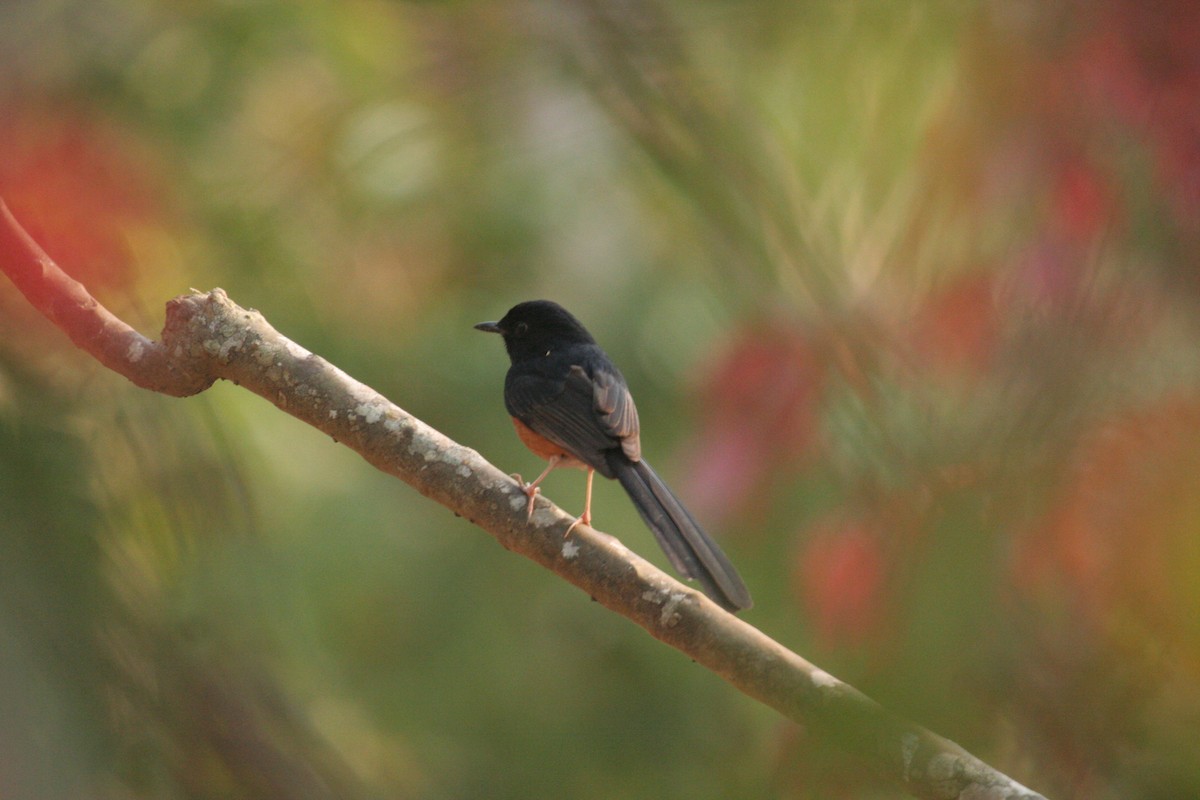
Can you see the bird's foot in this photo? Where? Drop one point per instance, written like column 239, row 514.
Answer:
column 531, row 491
column 583, row 519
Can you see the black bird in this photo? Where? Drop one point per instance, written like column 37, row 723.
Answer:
column 571, row 406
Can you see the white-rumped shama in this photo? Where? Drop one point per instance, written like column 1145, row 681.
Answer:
column 570, row 405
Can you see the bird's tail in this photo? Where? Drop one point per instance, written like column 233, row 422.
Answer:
column 689, row 548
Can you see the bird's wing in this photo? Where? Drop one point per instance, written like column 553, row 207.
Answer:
column 585, row 414
column 617, row 412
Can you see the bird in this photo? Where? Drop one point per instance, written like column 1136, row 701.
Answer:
column 571, row 406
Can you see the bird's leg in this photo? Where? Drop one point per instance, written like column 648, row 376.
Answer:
column 531, row 489
column 586, row 517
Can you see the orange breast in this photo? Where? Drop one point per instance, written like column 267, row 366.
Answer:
column 543, row 447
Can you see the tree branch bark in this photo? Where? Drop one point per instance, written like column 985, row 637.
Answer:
column 207, row 336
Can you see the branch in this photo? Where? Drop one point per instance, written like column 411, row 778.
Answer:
column 207, row 336
column 91, row 326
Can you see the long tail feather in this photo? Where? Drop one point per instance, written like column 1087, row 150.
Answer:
column 688, row 547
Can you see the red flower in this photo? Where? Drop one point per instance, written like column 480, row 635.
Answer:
column 79, row 189
column 840, row 582
column 763, row 396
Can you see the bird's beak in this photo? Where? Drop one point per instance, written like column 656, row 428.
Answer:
column 489, row 327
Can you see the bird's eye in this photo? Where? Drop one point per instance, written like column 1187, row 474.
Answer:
column 522, row 328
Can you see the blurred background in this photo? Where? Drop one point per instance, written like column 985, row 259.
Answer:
column 908, row 293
